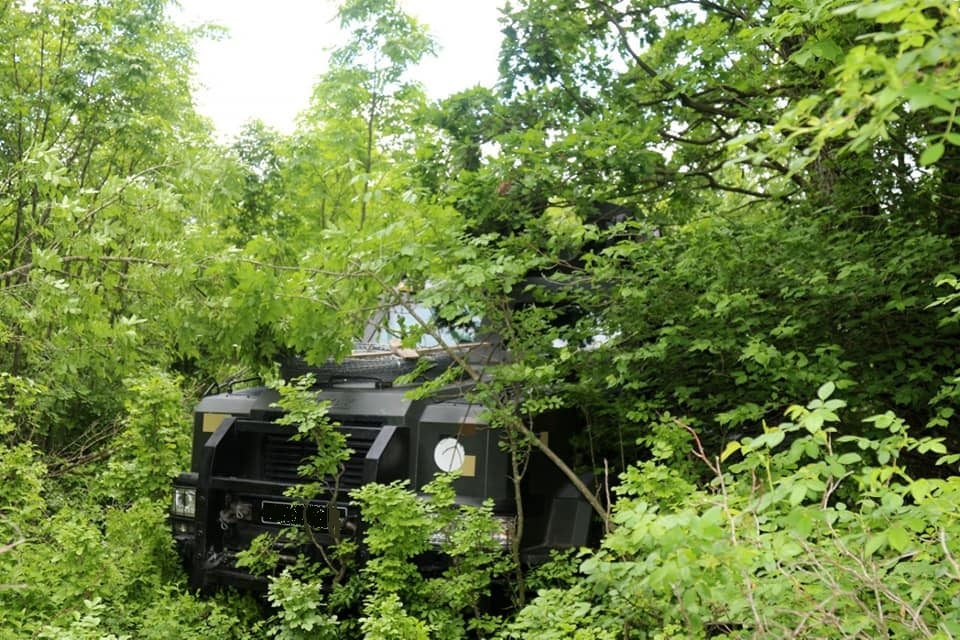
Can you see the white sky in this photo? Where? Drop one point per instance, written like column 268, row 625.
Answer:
column 275, row 50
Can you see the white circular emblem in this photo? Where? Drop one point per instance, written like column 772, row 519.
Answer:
column 448, row 454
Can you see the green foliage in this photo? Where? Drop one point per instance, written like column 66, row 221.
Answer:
column 347, row 162
column 152, row 445
column 401, row 531
column 104, row 165
column 87, row 552
column 170, row 615
column 404, row 528
column 790, row 172
column 304, row 410
column 259, row 150
column 430, row 569
column 804, row 536
column 85, row 625
column 120, row 555
column 173, row 613
column 386, row 620
column 560, row 614
column 298, row 605
column 752, row 264
column 887, row 75
column 22, row 472
column 712, row 325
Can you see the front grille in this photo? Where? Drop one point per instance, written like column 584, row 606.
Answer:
column 282, row 456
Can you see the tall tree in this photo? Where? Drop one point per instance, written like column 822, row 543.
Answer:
column 101, row 171
column 784, row 177
column 347, row 207
column 361, row 109
column 259, row 150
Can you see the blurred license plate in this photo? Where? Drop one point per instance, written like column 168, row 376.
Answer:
column 291, row 515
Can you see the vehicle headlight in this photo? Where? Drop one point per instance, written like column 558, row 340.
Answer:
column 182, row 528
column 185, row 501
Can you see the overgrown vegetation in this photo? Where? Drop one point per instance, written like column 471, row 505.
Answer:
column 683, row 219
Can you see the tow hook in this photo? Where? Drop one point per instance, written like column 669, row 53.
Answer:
column 234, row 512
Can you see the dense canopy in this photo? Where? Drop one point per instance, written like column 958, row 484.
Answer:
column 725, row 232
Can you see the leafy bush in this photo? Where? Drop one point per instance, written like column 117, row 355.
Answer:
column 810, row 533
column 430, row 568
column 152, row 444
column 90, row 553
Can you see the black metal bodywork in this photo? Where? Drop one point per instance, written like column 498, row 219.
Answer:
column 243, row 462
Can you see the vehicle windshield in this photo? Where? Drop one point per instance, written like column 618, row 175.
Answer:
column 400, row 322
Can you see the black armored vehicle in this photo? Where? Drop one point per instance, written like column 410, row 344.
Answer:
column 244, row 462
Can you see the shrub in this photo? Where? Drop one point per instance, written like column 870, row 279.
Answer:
column 809, row 533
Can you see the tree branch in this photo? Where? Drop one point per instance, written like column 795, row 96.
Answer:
column 29, row 266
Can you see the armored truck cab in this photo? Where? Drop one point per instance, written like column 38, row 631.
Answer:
column 243, row 462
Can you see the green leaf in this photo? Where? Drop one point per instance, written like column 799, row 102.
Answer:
column 826, row 390
column 813, row 422
column 849, row 458
column 731, row 448
column 877, row 9
column 898, row 537
column 828, row 50
column 797, row 494
column 932, row 154
column 874, row 542
column 920, row 96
